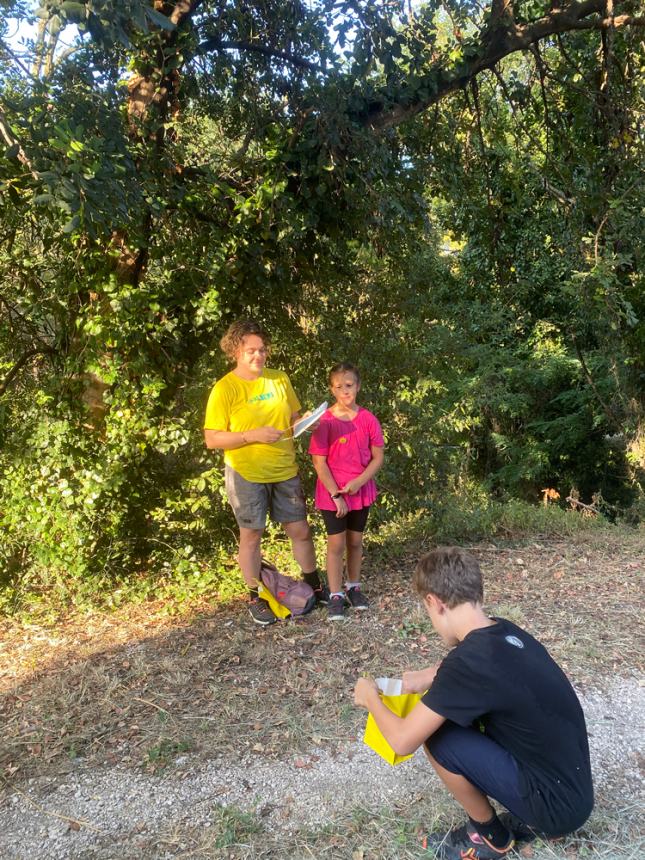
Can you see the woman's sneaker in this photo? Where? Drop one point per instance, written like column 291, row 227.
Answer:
column 356, row 598
column 336, row 608
column 261, row 612
column 322, row 595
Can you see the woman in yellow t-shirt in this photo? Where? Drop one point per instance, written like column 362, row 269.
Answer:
column 249, row 415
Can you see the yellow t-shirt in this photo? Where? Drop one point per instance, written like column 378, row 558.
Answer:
column 238, row 405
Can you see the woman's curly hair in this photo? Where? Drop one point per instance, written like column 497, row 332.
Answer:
column 236, row 333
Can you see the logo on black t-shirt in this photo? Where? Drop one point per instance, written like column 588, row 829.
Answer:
column 513, row 640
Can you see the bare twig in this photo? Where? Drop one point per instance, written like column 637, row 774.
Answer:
column 152, row 705
column 577, row 503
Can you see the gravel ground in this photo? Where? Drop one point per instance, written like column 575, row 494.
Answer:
column 92, row 813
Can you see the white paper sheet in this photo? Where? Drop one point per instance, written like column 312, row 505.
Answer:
column 305, row 423
column 390, row 686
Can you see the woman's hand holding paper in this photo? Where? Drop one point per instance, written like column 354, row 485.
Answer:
column 266, row 434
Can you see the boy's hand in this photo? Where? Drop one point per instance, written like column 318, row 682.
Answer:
column 352, row 486
column 364, row 692
column 418, row 682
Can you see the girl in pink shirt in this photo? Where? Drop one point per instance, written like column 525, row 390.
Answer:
column 347, row 451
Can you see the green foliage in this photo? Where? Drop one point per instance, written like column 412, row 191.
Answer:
column 234, row 826
column 471, row 515
column 160, row 755
column 482, row 265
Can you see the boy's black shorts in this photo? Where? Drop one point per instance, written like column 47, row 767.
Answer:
column 353, row 521
column 484, row 763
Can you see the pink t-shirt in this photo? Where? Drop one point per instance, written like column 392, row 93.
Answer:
column 348, row 448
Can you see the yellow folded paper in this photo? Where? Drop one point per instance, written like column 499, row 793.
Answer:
column 279, row 610
column 401, row 705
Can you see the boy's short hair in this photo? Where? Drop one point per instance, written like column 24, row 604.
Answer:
column 344, row 367
column 236, row 333
column 451, row 574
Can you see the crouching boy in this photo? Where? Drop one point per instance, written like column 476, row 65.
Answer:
column 498, row 719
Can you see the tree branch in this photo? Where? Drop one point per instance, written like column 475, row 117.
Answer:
column 12, row 141
column 15, row 370
column 501, row 38
column 214, row 43
column 609, row 412
column 17, row 60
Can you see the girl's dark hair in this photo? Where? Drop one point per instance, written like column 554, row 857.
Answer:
column 451, row 574
column 236, row 333
column 344, row 367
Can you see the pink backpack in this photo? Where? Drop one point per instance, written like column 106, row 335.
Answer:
column 294, row 594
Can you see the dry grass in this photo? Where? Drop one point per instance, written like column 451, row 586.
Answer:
column 115, row 687
column 395, row 833
column 138, row 687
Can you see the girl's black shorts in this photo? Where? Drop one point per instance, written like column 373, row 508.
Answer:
column 354, row 521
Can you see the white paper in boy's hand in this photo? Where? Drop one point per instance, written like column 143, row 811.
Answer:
column 390, row 686
column 305, row 423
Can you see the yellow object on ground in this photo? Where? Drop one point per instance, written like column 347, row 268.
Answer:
column 278, row 609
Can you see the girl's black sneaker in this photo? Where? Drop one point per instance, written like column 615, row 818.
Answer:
column 356, row 598
column 336, row 608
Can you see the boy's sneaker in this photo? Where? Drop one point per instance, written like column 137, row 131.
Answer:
column 522, row 832
column 322, row 595
column 261, row 612
column 356, row 598
column 336, row 608
column 464, row 843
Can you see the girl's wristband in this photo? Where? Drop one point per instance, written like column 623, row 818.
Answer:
column 336, row 496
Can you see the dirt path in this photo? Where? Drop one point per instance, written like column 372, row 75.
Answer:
column 115, row 812
column 144, row 735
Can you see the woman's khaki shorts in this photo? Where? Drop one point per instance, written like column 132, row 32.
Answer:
column 284, row 501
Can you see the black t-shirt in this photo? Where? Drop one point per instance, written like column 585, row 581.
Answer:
column 501, row 679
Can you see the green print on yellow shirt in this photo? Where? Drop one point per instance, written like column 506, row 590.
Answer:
column 267, row 395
